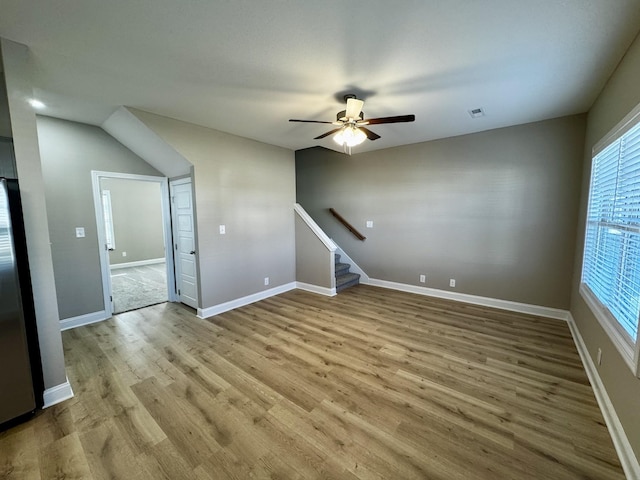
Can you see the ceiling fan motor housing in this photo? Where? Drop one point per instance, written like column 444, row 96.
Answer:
column 342, row 116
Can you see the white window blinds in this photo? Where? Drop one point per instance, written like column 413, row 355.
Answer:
column 611, row 264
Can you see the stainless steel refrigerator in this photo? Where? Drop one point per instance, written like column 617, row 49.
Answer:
column 21, row 384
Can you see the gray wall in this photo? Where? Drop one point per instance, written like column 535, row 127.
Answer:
column 5, row 120
column 7, row 158
column 30, row 175
column 69, row 152
column 137, row 219
column 247, row 186
column 619, row 96
column 495, row 210
column 313, row 260
column 7, row 161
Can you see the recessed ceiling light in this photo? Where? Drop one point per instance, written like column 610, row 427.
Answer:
column 37, row 104
column 476, row 112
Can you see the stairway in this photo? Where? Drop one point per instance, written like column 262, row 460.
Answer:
column 345, row 278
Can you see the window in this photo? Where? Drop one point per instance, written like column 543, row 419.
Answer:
column 611, row 263
column 108, row 220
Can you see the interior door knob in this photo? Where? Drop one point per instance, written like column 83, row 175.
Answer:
column 192, row 252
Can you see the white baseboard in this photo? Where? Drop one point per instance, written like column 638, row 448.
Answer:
column 57, row 394
column 329, row 292
column 80, row 320
column 474, row 299
column 139, row 263
column 241, row 302
column 621, row 443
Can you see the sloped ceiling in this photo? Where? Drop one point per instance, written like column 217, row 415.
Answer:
column 125, row 127
column 246, row 67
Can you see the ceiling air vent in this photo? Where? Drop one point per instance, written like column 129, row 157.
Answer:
column 476, row 112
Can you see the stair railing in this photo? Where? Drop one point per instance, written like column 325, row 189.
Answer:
column 349, row 227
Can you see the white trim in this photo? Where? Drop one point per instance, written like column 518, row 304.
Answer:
column 181, row 180
column 331, row 246
column 329, row 292
column 128, row 176
column 139, row 263
column 57, row 394
column 103, row 254
column 622, row 127
column 475, row 300
column 86, row 319
column 621, row 443
column 96, row 175
column 241, row 302
column 626, row 350
column 354, row 268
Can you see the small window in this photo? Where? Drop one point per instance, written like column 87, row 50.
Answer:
column 108, row 220
column 611, row 263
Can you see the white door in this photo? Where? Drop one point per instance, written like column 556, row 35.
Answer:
column 184, row 242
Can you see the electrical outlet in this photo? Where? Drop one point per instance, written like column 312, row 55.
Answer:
column 369, row 223
column 79, row 232
column 599, row 356
column 423, row 278
column 124, row 254
column 452, row 282
column 266, row 280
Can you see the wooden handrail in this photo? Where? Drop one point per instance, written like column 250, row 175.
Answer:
column 350, row 227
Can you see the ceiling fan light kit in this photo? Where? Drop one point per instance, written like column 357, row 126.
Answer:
column 350, row 136
column 351, row 129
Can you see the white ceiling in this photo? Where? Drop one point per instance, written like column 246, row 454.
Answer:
column 246, row 67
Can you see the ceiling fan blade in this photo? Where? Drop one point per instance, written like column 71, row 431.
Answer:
column 398, row 119
column 354, row 107
column 307, row 121
column 328, row 133
column 370, row 135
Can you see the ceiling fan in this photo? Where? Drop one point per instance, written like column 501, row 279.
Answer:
column 351, row 123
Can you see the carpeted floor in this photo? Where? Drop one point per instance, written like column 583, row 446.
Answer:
column 137, row 287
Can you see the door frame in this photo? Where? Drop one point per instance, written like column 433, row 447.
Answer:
column 100, row 223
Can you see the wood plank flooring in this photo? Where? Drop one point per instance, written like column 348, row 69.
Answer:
column 370, row 384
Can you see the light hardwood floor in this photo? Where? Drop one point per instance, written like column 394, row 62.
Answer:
column 371, row 384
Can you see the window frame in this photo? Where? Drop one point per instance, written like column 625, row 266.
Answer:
column 110, row 236
column 624, row 343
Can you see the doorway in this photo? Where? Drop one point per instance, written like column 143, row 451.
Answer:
column 134, row 232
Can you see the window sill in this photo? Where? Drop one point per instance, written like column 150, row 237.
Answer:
column 626, row 349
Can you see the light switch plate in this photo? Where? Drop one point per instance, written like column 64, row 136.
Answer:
column 223, row 229
column 79, row 232
column 369, row 223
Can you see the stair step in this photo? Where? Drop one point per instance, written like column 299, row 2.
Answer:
column 344, row 278
column 347, row 280
column 342, row 268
